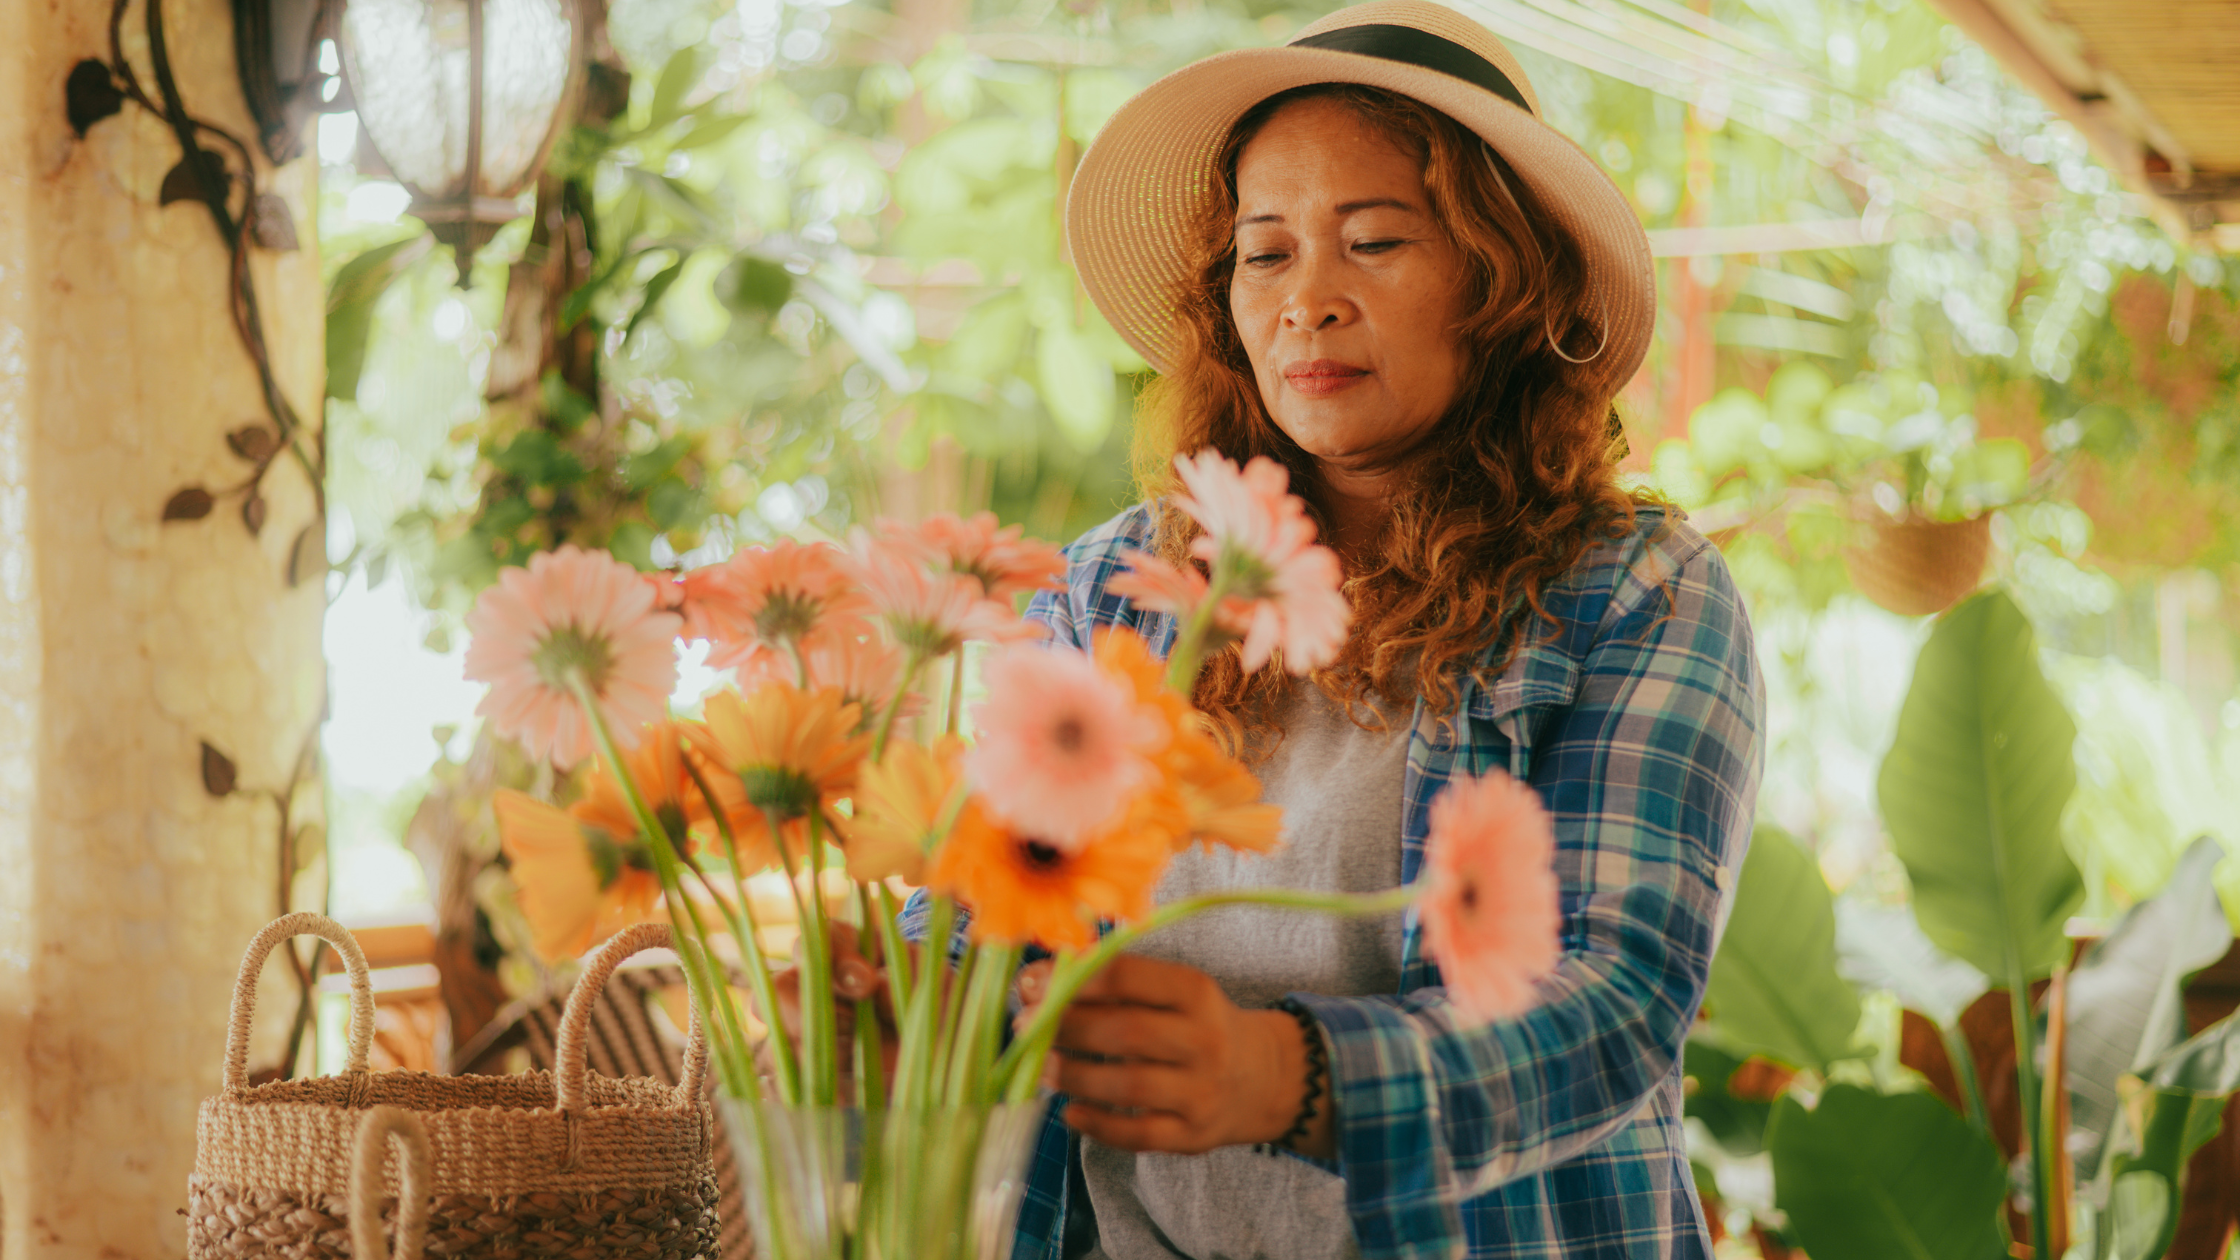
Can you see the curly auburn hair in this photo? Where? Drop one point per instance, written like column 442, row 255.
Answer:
column 1511, row 487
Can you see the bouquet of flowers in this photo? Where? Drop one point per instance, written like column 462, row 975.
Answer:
column 1088, row 771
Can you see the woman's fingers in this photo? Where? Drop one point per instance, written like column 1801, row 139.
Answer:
column 1130, row 1085
column 1034, row 982
column 1129, row 1031
column 1148, row 982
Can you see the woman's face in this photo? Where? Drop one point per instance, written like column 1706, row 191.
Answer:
column 1346, row 290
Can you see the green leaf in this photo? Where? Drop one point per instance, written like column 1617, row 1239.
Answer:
column 350, row 302
column 2125, row 1005
column 538, row 459
column 672, row 503
column 655, row 288
column 1075, row 383
column 632, row 543
column 754, row 284
column 2190, row 1086
column 709, row 130
column 565, row 405
column 1867, row 1176
column 1737, row 1124
column 578, row 302
column 1883, row 947
column 2138, row 1208
column 2207, row 1063
column 677, row 78
column 641, row 471
column 1774, row 989
column 1972, row 792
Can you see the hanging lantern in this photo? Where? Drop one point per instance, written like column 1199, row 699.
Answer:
column 463, row 100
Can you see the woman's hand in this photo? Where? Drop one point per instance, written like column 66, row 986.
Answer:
column 854, row 978
column 1157, row 1058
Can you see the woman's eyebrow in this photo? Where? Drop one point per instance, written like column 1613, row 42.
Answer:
column 1346, row 208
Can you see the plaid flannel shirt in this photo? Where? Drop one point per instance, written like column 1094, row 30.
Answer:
column 1556, row 1133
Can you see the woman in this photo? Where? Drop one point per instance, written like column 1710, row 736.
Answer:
column 1364, row 256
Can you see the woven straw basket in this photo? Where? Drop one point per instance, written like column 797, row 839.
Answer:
column 560, row 1163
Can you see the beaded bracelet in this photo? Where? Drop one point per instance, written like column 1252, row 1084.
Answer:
column 1318, row 1076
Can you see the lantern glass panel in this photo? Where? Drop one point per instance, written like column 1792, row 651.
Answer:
column 408, row 65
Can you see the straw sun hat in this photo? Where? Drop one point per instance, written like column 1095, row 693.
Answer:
column 1143, row 181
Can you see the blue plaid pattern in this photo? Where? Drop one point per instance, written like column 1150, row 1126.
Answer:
column 1556, row 1133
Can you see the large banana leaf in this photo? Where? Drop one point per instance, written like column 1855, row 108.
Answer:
column 1774, row 989
column 2125, row 1005
column 1972, row 792
column 1883, row 947
column 1867, row 1176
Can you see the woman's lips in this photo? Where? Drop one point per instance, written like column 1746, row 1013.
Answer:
column 1320, row 378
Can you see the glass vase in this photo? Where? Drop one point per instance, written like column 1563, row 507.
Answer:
column 837, row 1183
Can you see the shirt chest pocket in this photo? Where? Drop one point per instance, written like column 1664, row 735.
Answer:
column 1521, row 710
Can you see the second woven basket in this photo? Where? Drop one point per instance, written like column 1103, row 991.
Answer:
column 543, row 1164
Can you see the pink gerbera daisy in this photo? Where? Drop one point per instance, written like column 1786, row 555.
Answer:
column 928, row 612
column 1261, row 547
column 571, row 615
column 1490, row 916
column 771, row 599
column 866, row 672
column 1062, row 744
column 1006, row 562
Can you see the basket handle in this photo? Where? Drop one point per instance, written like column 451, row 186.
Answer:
column 245, row 991
column 568, row 1079
column 374, row 1132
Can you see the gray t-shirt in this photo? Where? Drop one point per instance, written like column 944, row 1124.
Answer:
column 1340, row 788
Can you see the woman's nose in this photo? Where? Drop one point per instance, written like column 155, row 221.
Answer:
column 1316, row 302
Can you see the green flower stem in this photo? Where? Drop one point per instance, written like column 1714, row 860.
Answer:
column 893, row 952
column 952, row 1023
column 821, row 1034
column 1189, row 653
column 2026, row 1085
column 978, row 1080
column 746, row 932
column 871, row 1068
column 912, row 662
column 956, row 692
column 809, row 963
column 992, row 973
column 914, row 1072
column 1964, row 1070
column 696, row 974
column 732, row 1068
column 1019, row 1071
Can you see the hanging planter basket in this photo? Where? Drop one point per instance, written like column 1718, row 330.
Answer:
column 1917, row 567
column 559, row 1163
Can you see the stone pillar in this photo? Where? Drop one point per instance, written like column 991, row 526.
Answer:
column 134, row 865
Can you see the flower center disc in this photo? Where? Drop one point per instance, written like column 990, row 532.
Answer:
column 568, row 653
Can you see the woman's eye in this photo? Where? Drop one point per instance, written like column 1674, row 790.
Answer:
column 1378, row 247
column 1266, row 258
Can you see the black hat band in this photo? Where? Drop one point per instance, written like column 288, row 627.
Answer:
column 1418, row 48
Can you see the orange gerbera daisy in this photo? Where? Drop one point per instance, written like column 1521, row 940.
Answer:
column 793, row 751
column 1021, row 888
column 1210, row 796
column 579, row 883
column 900, row 802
